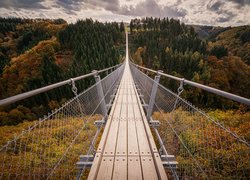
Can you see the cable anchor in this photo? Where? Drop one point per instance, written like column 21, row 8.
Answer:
column 74, row 88
column 181, row 88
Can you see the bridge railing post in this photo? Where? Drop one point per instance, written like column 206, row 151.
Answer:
column 100, row 92
column 153, row 95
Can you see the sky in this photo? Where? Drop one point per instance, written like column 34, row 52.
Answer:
column 201, row 12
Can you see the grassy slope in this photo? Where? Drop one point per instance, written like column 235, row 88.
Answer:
column 217, row 151
column 41, row 149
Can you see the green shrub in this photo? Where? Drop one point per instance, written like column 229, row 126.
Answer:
column 219, row 51
column 16, row 116
column 4, row 119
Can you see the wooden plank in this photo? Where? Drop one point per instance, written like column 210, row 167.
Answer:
column 106, row 168
column 130, row 111
column 107, row 126
column 118, row 107
column 144, row 148
column 160, row 169
column 147, row 128
column 120, row 168
column 148, row 168
column 106, row 141
column 119, row 101
column 133, row 147
column 156, row 158
column 134, row 168
column 95, row 166
column 104, row 135
column 98, row 156
column 123, row 113
column 121, row 148
column 137, row 110
column 110, row 145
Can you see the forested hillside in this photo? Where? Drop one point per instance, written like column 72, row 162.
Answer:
column 218, row 61
column 176, row 49
column 36, row 53
column 237, row 41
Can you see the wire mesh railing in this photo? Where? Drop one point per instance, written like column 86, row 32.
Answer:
column 51, row 146
column 203, row 148
column 219, row 92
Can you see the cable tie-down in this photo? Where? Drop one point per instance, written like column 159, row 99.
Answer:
column 74, row 88
column 181, row 88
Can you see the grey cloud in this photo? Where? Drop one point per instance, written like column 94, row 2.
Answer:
column 26, row 4
column 214, row 6
column 152, row 8
column 175, row 12
column 241, row 2
column 110, row 5
column 223, row 19
column 217, row 12
column 148, row 7
column 76, row 5
column 69, row 1
column 70, row 6
column 240, row 22
column 225, row 16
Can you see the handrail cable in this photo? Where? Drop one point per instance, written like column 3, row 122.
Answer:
column 231, row 96
column 25, row 95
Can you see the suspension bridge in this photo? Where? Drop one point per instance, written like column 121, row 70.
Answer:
column 126, row 126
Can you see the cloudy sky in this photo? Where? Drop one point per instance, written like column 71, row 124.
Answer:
column 203, row 12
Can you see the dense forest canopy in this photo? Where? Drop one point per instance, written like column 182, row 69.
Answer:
column 177, row 49
column 36, row 53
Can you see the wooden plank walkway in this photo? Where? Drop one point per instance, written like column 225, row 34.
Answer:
column 127, row 149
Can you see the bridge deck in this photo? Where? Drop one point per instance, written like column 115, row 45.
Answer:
column 127, row 149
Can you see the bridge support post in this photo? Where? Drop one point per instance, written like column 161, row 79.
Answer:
column 153, row 95
column 100, row 92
